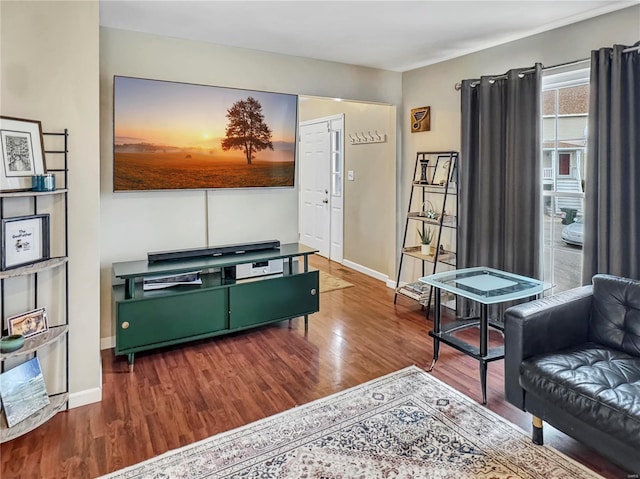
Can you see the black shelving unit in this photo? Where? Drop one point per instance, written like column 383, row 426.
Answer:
column 434, row 176
column 58, row 332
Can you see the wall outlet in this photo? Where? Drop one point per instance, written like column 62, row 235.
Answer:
column 350, row 175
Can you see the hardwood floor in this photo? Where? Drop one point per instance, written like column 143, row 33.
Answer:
column 183, row 394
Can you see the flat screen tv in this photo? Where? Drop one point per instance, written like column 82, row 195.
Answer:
column 177, row 136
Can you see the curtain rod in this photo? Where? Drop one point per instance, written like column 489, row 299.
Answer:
column 458, row 86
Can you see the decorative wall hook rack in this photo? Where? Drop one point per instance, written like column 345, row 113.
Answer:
column 361, row 138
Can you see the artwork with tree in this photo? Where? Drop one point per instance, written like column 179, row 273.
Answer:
column 247, row 129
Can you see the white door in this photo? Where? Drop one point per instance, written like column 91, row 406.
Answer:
column 321, row 212
column 315, row 182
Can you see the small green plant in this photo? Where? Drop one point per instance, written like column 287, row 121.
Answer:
column 425, row 237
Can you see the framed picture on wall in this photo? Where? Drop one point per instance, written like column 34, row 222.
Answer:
column 421, row 119
column 24, row 240
column 22, row 153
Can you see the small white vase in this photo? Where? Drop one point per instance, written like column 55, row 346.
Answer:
column 425, row 249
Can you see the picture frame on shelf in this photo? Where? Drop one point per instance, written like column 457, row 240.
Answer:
column 24, row 240
column 22, row 151
column 30, row 323
column 23, row 391
column 443, row 172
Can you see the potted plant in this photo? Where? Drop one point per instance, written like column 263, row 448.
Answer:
column 426, row 236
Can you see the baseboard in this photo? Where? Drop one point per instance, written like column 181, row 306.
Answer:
column 364, row 270
column 391, row 284
column 82, row 398
column 107, row 343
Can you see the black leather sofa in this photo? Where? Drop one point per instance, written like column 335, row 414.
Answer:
column 573, row 360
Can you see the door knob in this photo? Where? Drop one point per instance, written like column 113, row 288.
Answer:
column 125, row 324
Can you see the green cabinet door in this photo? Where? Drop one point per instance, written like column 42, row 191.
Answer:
column 274, row 298
column 167, row 319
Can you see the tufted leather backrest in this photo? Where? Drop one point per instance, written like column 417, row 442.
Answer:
column 615, row 314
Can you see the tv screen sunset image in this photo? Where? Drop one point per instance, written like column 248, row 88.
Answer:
column 170, row 135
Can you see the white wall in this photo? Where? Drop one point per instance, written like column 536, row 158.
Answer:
column 434, row 85
column 49, row 72
column 136, row 223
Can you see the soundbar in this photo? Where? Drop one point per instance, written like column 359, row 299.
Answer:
column 212, row 251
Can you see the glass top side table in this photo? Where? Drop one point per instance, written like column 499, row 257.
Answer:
column 485, row 286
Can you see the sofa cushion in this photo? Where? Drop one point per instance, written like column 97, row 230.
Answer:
column 598, row 385
column 615, row 315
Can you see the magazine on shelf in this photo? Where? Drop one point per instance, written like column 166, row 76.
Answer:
column 418, row 291
column 159, row 282
column 412, row 294
column 418, row 287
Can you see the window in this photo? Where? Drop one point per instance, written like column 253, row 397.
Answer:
column 565, row 106
column 336, row 162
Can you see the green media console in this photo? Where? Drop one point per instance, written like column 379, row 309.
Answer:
column 220, row 305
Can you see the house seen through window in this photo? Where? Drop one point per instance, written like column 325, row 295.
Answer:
column 565, row 107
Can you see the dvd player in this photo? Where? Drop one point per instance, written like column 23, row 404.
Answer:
column 255, row 269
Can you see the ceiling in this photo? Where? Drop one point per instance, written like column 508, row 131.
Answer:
column 391, row 35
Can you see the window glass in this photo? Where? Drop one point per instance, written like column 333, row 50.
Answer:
column 565, row 102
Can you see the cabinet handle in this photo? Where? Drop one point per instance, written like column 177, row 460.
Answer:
column 313, row 292
column 125, row 324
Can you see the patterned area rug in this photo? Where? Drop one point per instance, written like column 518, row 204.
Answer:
column 331, row 283
column 404, row 425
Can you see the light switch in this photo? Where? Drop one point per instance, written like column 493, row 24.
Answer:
column 350, row 175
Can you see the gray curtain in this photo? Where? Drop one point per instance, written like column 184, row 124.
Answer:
column 612, row 193
column 500, row 192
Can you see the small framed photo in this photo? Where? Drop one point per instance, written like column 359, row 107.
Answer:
column 25, row 240
column 444, row 170
column 22, row 151
column 28, row 324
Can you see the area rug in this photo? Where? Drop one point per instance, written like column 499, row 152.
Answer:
column 404, row 425
column 329, row 282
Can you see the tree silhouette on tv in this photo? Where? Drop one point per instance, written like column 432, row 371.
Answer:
column 246, row 129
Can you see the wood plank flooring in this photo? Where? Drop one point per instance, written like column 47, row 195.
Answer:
column 183, row 394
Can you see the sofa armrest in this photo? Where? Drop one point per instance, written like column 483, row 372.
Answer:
column 543, row 326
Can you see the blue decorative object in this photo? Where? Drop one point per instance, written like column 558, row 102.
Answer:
column 46, row 182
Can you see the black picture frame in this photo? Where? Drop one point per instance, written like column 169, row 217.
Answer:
column 443, row 170
column 25, row 241
column 21, row 153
